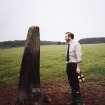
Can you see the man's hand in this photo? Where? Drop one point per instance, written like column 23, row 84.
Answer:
column 78, row 68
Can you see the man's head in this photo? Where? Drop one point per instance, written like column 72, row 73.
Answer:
column 69, row 36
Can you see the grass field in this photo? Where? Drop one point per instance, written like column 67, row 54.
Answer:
column 53, row 64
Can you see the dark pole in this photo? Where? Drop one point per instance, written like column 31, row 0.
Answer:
column 30, row 66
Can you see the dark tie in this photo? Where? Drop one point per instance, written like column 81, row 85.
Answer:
column 68, row 52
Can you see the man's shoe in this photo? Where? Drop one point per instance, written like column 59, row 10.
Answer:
column 76, row 98
column 69, row 103
column 74, row 104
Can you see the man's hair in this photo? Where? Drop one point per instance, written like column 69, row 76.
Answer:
column 70, row 35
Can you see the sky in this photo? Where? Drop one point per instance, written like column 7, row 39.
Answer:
column 85, row 18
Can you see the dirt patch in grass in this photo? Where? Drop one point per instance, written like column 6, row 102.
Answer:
column 93, row 93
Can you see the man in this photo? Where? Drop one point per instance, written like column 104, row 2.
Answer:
column 74, row 58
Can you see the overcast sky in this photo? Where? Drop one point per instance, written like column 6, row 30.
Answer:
column 85, row 18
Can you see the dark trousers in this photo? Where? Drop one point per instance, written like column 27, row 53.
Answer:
column 72, row 77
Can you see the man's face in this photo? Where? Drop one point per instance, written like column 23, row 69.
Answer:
column 68, row 39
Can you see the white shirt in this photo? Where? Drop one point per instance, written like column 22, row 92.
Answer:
column 75, row 53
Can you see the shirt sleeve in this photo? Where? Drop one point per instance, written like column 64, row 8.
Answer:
column 78, row 53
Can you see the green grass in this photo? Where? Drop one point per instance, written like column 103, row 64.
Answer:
column 53, row 64
column 94, row 61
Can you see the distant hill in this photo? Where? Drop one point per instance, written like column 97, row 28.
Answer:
column 92, row 40
column 19, row 43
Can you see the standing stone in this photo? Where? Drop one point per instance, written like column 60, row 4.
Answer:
column 30, row 66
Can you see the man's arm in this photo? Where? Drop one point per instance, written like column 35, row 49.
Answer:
column 78, row 56
column 78, row 53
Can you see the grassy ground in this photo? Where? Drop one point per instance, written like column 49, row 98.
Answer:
column 53, row 63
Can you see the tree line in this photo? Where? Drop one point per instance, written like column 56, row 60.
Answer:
column 20, row 43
